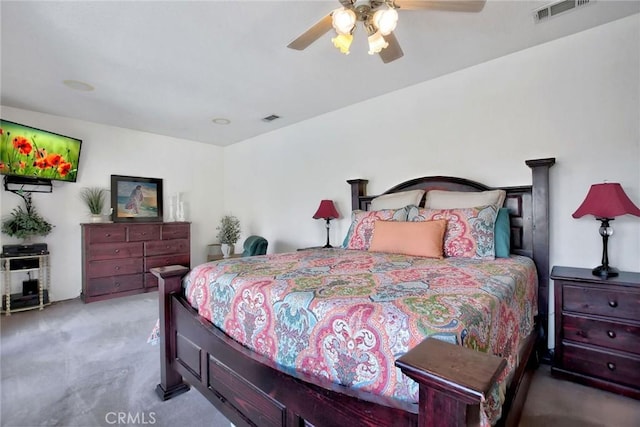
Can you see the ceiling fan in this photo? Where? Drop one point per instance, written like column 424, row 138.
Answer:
column 379, row 19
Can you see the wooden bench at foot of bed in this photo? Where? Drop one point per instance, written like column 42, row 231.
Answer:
column 250, row 390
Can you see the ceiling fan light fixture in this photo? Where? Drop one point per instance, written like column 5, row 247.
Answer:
column 343, row 20
column 385, row 20
column 376, row 43
column 343, row 42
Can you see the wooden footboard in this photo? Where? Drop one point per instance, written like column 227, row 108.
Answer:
column 250, row 390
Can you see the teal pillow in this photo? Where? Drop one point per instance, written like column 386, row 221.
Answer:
column 345, row 242
column 503, row 234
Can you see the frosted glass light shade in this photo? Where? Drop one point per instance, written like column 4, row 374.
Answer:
column 343, row 42
column 376, row 43
column 385, row 20
column 343, row 20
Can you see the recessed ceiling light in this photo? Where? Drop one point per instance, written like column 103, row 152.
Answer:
column 78, row 85
column 221, row 121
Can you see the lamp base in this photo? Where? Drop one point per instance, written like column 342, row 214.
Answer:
column 605, row 272
column 327, row 246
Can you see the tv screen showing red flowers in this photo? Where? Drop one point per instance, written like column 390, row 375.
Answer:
column 35, row 153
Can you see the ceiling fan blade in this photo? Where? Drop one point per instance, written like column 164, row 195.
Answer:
column 393, row 51
column 312, row 34
column 449, row 5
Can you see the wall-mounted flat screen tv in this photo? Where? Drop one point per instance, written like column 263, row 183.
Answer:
column 35, row 153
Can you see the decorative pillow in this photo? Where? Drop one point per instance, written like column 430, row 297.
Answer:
column 362, row 223
column 470, row 231
column 423, row 238
column 442, row 199
column 397, row 200
column 503, row 234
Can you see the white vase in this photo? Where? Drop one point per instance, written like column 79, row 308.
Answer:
column 226, row 249
column 96, row 218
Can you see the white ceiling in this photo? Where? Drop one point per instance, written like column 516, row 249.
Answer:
column 171, row 67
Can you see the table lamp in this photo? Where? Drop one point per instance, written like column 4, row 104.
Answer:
column 605, row 202
column 326, row 211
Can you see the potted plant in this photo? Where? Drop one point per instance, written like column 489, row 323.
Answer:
column 25, row 223
column 94, row 198
column 228, row 234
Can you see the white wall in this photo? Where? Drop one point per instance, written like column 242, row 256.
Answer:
column 576, row 99
column 185, row 166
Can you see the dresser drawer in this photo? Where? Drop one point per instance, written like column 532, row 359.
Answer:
column 143, row 232
column 175, row 231
column 114, row 250
column 150, row 281
column 109, row 285
column 162, row 260
column 605, row 302
column 609, row 365
column 163, row 247
column 106, row 234
column 619, row 336
column 114, row 267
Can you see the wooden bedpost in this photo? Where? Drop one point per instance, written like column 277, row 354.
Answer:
column 358, row 189
column 453, row 381
column 540, row 196
column 169, row 282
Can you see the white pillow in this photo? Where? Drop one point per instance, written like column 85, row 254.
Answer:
column 397, row 200
column 442, row 199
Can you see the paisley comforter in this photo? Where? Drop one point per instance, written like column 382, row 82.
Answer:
column 347, row 315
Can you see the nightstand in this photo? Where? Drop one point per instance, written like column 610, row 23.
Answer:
column 219, row 257
column 597, row 324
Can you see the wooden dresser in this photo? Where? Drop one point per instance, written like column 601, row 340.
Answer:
column 117, row 257
column 598, row 329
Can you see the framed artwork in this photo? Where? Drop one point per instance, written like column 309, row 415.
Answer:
column 136, row 199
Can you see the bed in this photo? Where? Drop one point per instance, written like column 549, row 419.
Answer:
column 429, row 378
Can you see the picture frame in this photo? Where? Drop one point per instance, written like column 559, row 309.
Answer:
column 136, row 199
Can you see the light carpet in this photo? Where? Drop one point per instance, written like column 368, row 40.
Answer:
column 76, row 364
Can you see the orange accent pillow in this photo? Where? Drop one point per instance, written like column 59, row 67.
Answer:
column 424, row 239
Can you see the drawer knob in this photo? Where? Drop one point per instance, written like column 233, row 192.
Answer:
column 613, row 304
column 107, row 235
column 117, row 250
column 117, row 284
column 611, row 334
column 117, row 267
column 611, row 366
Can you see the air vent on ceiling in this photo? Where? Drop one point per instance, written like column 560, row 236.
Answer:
column 558, row 7
column 270, row 118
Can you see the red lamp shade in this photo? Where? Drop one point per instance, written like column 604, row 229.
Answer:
column 326, row 210
column 606, row 200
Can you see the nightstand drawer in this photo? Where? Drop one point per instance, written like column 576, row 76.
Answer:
column 606, row 302
column 618, row 336
column 617, row 367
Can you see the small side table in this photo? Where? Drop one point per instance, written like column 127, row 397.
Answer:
column 218, row 257
column 597, row 329
column 25, row 264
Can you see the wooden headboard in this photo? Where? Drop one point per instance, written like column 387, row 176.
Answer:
column 528, row 212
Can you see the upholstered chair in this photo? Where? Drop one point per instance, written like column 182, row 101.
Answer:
column 255, row 245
